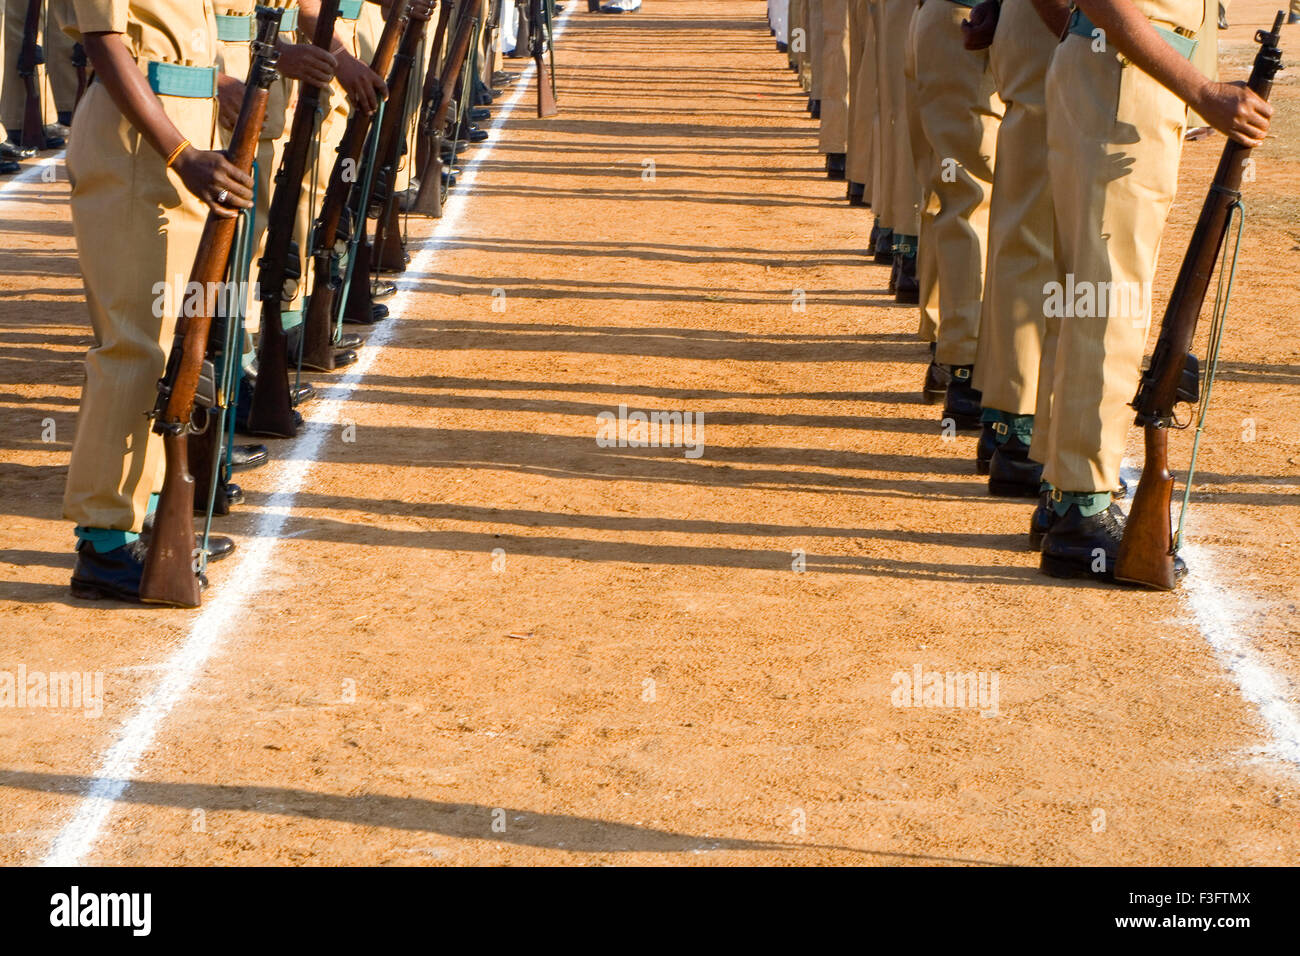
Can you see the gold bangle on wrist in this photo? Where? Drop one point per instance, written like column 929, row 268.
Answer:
column 175, row 154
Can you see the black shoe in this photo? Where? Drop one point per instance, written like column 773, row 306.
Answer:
column 342, row 359
column 233, row 493
column 378, row 312
column 593, row 6
column 937, row 378
column 248, row 456
column 349, row 340
column 814, row 108
column 479, row 113
column 835, row 163
column 1223, row 18
column 988, row 443
column 472, row 134
column 501, row 79
column 11, row 150
column 884, row 247
column 302, row 394
column 219, row 546
column 8, row 167
column 857, row 195
column 1079, row 547
column 115, row 575
column 893, row 276
column 782, row 46
column 961, row 404
column 1012, row 473
column 1041, row 521
column 382, row 288
column 907, row 289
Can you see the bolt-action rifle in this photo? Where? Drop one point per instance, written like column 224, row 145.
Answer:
column 1146, row 555
column 330, row 234
column 173, row 564
column 271, row 408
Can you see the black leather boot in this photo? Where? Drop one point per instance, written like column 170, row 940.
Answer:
column 857, row 195
column 114, row 575
column 962, row 401
column 1012, row 473
column 835, row 163
column 937, row 379
column 907, row 290
column 988, row 443
column 1083, row 547
column 885, row 247
column 1041, row 521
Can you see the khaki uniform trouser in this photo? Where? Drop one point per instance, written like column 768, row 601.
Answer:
column 835, row 77
column 876, row 187
column 862, row 94
column 1114, row 138
column 816, row 47
column 137, row 228
column 1206, row 57
column 798, row 41
column 1020, row 256
column 802, row 43
column 960, row 111
column 898, row 203
column 927, row 270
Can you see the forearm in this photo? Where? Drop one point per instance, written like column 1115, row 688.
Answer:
column 1129, row 32
column 1054, row 13
column 130, row 91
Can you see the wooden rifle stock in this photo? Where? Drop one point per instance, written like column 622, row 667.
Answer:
column 318, row 319
column 538, row 40
column 1146, row 555
column 271, row 407
column 437, row 105
column 30, row 56
column 170, row 573
column 79, row 63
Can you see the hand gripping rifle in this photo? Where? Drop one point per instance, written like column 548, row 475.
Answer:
column 327, row 244
column 30, row 56
column 271, row 408
column 171, row 567
column 439, row 100
column 539, row 43
column 1146, row 555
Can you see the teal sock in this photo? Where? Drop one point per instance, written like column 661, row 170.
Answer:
column 1090, row 502
column 153, row 503
column 104, row 540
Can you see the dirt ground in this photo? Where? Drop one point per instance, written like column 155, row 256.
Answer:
column 476, row 636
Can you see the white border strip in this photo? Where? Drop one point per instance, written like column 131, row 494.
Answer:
column 32, row 172
column 1217, row 611
column 79, row 835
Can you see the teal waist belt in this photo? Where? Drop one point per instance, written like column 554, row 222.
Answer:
column 349, row 9
column 234, row 27
column 1080, row 25
column 289, row 21
column 173, row 79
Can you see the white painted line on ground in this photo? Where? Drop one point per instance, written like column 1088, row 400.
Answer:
column 78, row 836
column 1219, row 612
column 31, row 171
